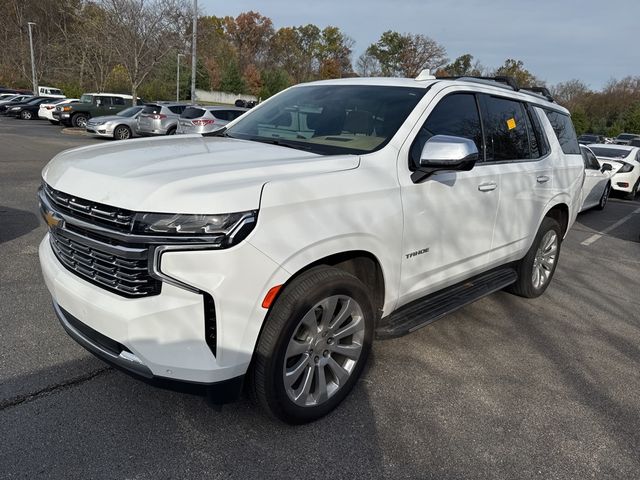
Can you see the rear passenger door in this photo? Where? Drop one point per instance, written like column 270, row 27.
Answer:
column 516, row 145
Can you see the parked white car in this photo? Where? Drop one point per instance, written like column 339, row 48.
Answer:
column 45, row 112
column 597, row 181
column 333, row 213
column 50, row 92
column 625, row 166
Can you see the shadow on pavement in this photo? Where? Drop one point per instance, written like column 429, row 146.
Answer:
column 16, row 223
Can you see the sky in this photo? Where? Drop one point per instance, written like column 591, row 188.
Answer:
column 558, row 40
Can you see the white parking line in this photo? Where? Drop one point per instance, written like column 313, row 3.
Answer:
column 599, row 235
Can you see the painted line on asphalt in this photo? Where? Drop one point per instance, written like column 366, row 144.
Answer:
column 599, row 235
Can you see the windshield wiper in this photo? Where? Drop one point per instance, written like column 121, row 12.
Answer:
column 284, row 143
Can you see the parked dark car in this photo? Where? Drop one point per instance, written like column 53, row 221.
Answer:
column 635, row 142
column 14, row 90
column 91, row 105
column 625, row 138
column 29, row 109
column 589, row 138
column 11, row 107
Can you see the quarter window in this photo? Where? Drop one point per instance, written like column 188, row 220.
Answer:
column 455, row 115
column 506, row 130
column 563, row 127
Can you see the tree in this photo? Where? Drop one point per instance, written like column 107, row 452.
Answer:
column 143, row 32
column 571, row 93
column 515, row 69
column 406, row 54
column 463, row 66
column 368, row 66
column 334, row 53
column 274, row 80
column 232, row 80
column 249, row 33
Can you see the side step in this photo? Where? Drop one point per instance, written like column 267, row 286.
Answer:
column 426, row 310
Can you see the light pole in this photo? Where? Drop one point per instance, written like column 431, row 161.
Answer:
column 178, row 77
column 33, row 62
column 193, row 51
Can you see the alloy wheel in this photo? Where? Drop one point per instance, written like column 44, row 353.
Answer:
column 323, row 350
column 545, row 259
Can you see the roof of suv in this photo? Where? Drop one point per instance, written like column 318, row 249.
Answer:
column 103, row 94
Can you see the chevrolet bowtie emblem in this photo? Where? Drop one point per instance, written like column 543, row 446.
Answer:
column 52, row 219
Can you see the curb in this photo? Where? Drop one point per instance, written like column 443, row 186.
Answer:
column 74, row 131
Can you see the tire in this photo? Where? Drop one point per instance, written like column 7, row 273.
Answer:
column 171, row 131
column 26, row 115
column 122, row 132
column 54, row 122
column 526, row 285
column 632, row 194
column 79, row 120
column 604, row 197
column 295, row 315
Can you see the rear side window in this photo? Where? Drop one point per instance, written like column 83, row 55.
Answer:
column 563, row 127
column 117, row 100
column 455, row 115
column 192, row 112
column 177, row 109
column 506, row 134
column 103, row 101
column 233, row 114
column 151, row 109
column 220, row 114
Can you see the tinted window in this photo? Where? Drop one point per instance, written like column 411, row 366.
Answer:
column 540, row 137
column 506, row 135
column 330, row 119
column 103, row 101
column 220, row 114
column 455, row 115
column 590, row 160
column 563, row 127
column 117, row 100
column 192, row 112
column 151, row 109
column 177, row 109
column 233, row 114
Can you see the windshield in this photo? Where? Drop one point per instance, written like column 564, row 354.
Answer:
column 86, row 98
column 129, row 112
column 610, row 152
column 330, row 119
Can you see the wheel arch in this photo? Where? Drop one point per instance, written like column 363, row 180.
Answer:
column 560, row 213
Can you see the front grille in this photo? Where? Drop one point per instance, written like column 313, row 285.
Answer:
column 98, row 213
column 119, row 268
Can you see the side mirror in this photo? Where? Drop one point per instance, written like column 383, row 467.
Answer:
column 445, row 152
column 606, row 168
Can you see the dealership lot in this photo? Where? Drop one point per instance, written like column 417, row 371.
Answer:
column 504, row 388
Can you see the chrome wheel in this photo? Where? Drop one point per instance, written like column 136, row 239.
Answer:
column 323, row 350
column 545, row 259
column 122, row 133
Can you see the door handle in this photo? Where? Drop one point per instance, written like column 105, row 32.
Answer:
column 487, row 187
column 542, row 179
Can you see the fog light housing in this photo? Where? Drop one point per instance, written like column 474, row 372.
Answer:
column 623, row 184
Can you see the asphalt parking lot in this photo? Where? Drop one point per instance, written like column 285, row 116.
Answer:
column 504, row 388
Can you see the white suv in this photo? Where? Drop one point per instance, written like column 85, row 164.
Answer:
column 272, row 253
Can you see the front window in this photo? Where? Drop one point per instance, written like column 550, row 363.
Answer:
column 86, row 98
column 330, row 119
column 129, row 112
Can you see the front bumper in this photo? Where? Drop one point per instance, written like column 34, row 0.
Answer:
column 100, row 130
column 164, row 334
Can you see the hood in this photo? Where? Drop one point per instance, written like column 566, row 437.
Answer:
column 183, row 174
column 109, row 118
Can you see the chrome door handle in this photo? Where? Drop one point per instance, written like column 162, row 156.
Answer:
column 487, row 187
column 542, row 179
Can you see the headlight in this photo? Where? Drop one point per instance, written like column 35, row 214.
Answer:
column 229, row 228
column 66, row 109
column 626, row 168
column 16, row 108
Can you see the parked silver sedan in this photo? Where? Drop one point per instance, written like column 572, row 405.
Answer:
column 120, row 126
column 205, row 119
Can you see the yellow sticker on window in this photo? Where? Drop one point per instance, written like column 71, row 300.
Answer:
column 511, row 123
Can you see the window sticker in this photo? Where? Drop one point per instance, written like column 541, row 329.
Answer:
column 511, row 123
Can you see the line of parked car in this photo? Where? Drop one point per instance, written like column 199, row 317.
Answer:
column 113, row 115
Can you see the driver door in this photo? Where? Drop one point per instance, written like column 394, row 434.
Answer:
column 449, row 217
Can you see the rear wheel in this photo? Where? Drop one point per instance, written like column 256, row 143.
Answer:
column 314, row 345
column 171, row 131
column 26, row 115
column 122, row 132
column 536, row 269
column 632, row 194
column 79, row 120
column 604, row 198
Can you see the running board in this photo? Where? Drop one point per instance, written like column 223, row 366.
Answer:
column 426, row 310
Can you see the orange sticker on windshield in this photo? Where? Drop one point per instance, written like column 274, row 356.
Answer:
column 511, row 123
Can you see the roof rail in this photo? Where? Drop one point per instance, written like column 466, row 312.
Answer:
column 509, row 81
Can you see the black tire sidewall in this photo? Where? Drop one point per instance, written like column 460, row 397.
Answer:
column 605, row 197
column 293, row 310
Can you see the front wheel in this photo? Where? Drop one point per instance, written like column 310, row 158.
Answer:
column 122, row 132
column 314, row 345
column 536, row 269
column 26, row 115
column 79, row 120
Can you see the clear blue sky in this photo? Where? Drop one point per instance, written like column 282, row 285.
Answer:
column 556, row 39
